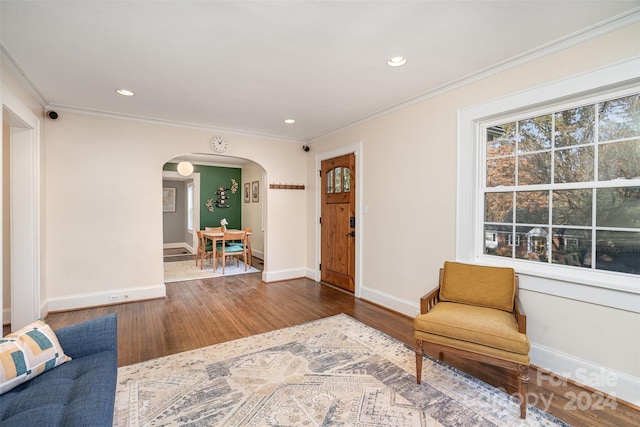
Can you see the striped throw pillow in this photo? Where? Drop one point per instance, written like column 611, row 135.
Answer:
column 28, row 352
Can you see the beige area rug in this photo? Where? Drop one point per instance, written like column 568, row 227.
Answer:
column 331, row 372
column 179, row 271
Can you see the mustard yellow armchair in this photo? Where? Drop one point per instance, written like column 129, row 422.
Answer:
column 475, row 314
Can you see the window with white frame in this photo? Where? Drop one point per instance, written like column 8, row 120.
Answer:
column 562, row 185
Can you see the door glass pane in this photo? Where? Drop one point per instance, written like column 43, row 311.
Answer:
column 572, row 207
column 338, row 180
column 618, row 207
column 330, row 181
column 347, row 180
column 619, row 160
column 573, row 165
column 534, row 169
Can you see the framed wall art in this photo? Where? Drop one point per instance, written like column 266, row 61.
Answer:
column 168, row 200
column 247, row 192
column 255, row 191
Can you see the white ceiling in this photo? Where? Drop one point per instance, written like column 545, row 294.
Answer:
column 245, row 66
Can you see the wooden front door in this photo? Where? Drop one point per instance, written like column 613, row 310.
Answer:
column 338, row 221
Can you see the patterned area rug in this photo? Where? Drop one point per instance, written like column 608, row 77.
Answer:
column 178, row 271
column 331, row 372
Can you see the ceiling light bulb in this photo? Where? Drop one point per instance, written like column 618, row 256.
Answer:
column 397, row 61
column 125, row 92
column 289, row 121
column 185, row 168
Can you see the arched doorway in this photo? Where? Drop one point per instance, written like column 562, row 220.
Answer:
column 236, row 176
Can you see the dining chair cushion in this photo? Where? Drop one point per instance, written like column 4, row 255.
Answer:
column 478, row 285
column 479, row 325
column 233, row 249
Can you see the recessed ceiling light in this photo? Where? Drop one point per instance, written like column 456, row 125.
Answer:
column 397, row 61
column 289, row 121
column 125, row 92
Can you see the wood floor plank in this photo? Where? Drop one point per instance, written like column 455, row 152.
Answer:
column 204, row 312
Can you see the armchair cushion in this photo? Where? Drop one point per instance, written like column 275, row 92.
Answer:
column 478, row 325
column 477, row 285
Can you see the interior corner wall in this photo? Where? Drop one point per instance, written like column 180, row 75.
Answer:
column 409, row 182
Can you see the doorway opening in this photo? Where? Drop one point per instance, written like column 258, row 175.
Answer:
column 221, row 191
column 20, row 213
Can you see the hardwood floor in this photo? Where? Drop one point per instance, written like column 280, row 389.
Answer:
column 205, row 312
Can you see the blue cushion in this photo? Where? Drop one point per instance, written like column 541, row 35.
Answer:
column 80, row 392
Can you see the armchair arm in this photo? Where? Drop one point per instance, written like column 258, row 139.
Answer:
column 429, row 300
column 521, row 318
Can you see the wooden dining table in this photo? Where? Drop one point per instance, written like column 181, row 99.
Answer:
column 216, row 236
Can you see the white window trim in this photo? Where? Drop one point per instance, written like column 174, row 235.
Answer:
column 600, row 287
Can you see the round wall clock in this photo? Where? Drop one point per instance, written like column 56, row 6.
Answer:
column 219, row 144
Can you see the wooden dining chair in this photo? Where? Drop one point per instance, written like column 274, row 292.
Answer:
column 205, row 249
column 248, row 244
column 235, row 250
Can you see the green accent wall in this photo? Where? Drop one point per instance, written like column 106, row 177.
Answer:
column 212, row 177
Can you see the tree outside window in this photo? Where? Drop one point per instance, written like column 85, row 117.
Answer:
column 564, row 187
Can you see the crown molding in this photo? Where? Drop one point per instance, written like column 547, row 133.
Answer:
column 151, row 120
column 8, row 60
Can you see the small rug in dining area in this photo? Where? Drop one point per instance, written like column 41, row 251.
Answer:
column 179, row 271
column 329, row 372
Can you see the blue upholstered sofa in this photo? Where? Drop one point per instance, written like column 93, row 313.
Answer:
column 80, row 392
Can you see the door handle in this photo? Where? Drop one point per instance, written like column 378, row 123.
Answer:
column 352, row 234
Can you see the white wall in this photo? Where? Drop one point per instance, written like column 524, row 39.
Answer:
column 103, row 208
column 409, row 159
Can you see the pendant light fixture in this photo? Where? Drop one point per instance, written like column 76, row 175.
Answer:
column 185, row 168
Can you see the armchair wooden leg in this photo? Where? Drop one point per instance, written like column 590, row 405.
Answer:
column 419, row 357
column 523, row 389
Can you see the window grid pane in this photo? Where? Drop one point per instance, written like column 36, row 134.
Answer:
column 550, row 194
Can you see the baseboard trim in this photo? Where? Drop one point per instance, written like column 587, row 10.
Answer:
column 406, row 307
column 113, row 296
column 614, row 383
column 277, row 276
